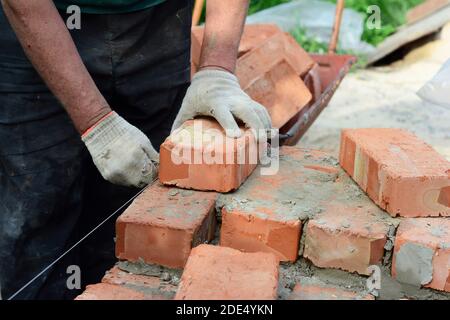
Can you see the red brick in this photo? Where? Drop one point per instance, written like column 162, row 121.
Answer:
column 153, row 287
column 218, row 273
column 303, row 291
column 163, row 224
column 347, row 237
column 252, row 37
column 255, row 34
column 269, row 65
column 425, row 9
column 222, row 163
column 264, row 214
column 267, row 211
column 106, row 291
column 422, row 253
column 281, row 91
column 277, row 48
column 256, row 234
column 399, row 172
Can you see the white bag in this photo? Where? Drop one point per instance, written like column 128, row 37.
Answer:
column 437, row 90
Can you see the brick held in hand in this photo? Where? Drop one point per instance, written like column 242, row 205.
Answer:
column 200, row 156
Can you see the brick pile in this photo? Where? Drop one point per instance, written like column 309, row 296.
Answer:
column 271, row 69
column 385, row 203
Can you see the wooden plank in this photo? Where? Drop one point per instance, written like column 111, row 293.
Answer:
column 425, row 9
column 410, row 33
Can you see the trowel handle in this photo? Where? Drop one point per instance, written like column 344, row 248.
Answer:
column 337, row 26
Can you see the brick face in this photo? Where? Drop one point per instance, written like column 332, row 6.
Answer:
column 219, row 273
column 163, row 224
column 254, row 234
column 223, row 163
column 281, row 91
column 347, row 238
column 398, row 171
column 345, row 229
column 422, row 253
column 279, row 47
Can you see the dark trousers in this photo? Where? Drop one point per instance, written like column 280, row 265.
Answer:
column 51, row 194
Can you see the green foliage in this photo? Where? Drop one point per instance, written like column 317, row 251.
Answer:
column 258, row 5
column 309, row 43
column 312, row 45
column 393, row 15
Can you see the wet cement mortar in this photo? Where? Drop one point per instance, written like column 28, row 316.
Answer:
column 304, row 197
column 169, row 278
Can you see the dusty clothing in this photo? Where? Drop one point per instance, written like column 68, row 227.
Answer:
column 107, row 6
column 51, row 194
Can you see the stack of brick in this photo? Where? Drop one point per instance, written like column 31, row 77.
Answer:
column 310, row 208
column 272, row 68
column 407, row 178
column 343, row 228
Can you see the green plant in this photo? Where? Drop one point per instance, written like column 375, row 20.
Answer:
column 393, row 15
column 313, row 45
column 309, row 43
column 258, row 5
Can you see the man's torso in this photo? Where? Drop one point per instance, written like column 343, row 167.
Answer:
column 107, row 6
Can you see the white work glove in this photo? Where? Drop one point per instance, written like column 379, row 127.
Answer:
column 218, row 94
column 122, row 153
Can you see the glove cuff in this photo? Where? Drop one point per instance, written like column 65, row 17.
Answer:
column 216, row 74
column 106, row 131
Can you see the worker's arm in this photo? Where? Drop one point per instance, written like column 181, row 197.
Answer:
column 215, row 90
column 50, row 48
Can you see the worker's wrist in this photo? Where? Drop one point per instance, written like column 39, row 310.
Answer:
column 219, row 59
column 91, row 120
column 96, row 124
column 105, row 131
column 215, row 67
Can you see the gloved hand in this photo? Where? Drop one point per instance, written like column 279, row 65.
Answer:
column 121, row 152
column 218, row 94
